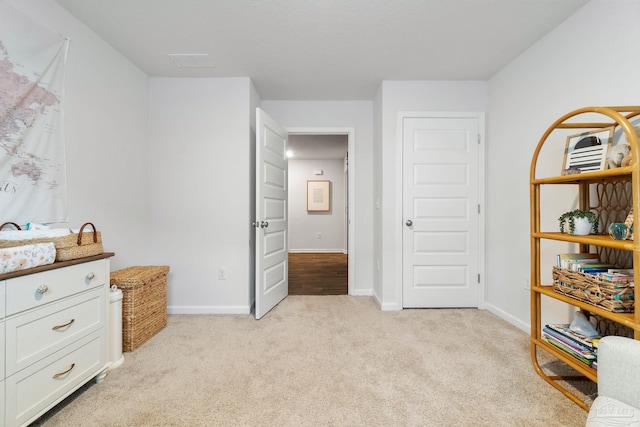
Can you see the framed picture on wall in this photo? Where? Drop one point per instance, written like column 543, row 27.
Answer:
column 318, row 196
column 587, row 151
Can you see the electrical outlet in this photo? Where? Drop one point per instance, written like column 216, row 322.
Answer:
column 319, row 235
column 222, row 273
column 527, row 284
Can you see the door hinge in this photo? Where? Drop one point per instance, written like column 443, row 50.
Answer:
column 479, row 139
column 478, row 208
column 478, row 277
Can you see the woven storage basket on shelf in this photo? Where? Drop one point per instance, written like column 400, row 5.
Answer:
column 72, row 246
column 616, row 297
column 144, row 302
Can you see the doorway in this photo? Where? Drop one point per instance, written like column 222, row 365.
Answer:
column 318, row 238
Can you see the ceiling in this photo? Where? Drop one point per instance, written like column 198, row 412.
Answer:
column 305, row 147
column 323, row 49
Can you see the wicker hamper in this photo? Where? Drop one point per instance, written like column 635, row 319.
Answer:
column 144, row 303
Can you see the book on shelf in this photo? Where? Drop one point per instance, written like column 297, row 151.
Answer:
column 624, row 271
column 573, row 343
column 616, row 278
column 565, row 331
column 591, row 268
column 562, row 346
column 577, row 346
column 563, row 260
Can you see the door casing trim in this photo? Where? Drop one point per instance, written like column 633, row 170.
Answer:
column 351, row 141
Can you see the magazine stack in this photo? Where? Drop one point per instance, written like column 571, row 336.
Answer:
column 576, row 345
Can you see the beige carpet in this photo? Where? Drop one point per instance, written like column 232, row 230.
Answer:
column 326, row 361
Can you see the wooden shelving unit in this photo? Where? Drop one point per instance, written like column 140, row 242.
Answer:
column 595, row 191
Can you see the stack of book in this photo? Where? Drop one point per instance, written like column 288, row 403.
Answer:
column 617, row 277
column 589, row 263
column 576, row 345
column 583, row 262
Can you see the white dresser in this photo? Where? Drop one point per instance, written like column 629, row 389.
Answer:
column 54, row 328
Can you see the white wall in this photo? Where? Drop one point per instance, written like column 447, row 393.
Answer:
column 304, row 226
column 132, row 189
column 395, row 97
column 200, row 170
column 592, row 58
column 356, row 115
column 106, row 118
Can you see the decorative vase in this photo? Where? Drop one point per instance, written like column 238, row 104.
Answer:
column 619, row 231
column 582, row 226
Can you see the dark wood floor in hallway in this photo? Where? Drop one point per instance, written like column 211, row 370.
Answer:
column 318, row 274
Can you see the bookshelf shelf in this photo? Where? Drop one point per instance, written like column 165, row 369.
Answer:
column 582, row 368
column 595, row 240
column 624, row 319
column 611, row 193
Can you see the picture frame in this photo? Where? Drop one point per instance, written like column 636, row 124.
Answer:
column 629, row 220
column 587, row 151
column 318, row 196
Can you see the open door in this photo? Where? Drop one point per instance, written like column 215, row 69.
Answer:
column 272, row 268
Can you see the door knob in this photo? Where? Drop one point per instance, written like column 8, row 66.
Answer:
column 409, row 223
column 264, row 224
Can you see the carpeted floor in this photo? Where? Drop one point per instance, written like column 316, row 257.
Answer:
column 326, row 361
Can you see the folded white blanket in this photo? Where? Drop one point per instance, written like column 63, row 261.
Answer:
column 33, row 234
column 26, row 256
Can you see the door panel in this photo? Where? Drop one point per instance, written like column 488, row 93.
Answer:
column 271, row 214
column 440, row 199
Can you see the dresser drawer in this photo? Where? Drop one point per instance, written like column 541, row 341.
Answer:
column 38, row 388
column 34, row 290
column 38, row 333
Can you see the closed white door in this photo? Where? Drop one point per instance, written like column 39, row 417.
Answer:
column 440, row 251
column 272, row 250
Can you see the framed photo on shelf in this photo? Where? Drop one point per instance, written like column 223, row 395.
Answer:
column 629, row 220
column 587, row 151
column 318, row 196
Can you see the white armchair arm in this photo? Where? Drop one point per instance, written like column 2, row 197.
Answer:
column 618, row 401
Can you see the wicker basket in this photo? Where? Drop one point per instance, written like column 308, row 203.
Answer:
column 144, row 303
column 616, row 297
column 71, row 246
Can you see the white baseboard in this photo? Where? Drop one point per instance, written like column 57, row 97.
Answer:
column 386, row 306
column 362, row 293
column 508, row 318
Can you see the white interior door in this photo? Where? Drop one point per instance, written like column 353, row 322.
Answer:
column 272, row 265
column 440, row 236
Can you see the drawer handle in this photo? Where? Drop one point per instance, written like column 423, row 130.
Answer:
column 42, row 289
column 59, row 374
column 90, row 276
column 55, row 328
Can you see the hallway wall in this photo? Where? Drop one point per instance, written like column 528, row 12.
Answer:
column 304, row 226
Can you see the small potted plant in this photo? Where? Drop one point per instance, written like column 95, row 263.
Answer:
column 580, row 222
